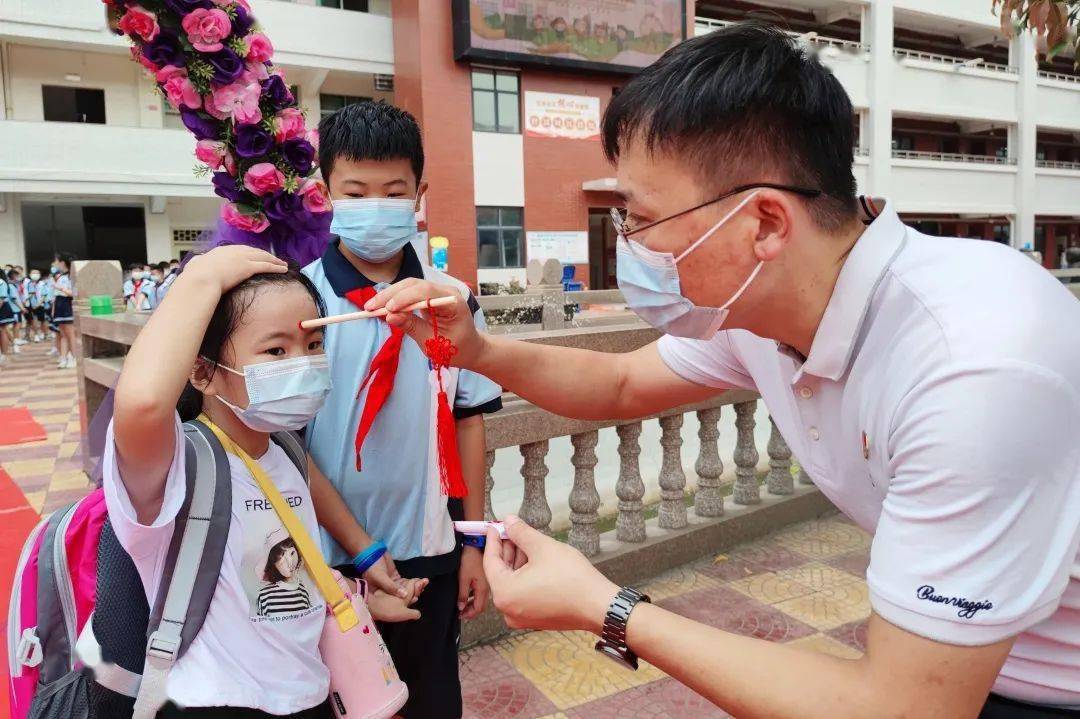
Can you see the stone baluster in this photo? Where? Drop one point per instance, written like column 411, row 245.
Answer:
column 804, row 478
column 534, row 504
column 779, row 480
column 584, row 499
column 746, row 455
column 630, row 525
column 709, row 502
column 489, row 484
column 672, row 476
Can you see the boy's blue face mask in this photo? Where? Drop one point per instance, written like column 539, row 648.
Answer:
column 374, row 228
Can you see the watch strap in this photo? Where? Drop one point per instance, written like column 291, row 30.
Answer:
column 612, row 642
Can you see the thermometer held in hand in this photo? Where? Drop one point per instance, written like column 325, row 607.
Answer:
column 479, row 529
column 364, row 315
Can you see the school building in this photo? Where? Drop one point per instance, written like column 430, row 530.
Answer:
column 965, row 130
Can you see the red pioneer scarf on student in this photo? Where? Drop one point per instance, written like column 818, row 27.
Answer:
column 380, row 382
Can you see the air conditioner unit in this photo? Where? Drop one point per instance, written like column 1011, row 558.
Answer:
column 384, row 83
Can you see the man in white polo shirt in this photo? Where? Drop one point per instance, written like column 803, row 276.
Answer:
column 925, row 383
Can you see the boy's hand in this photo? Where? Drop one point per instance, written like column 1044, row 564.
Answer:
column 455, row 321
column 472, row 584
column 384, row 576
column 227, row 266
column 390, row 608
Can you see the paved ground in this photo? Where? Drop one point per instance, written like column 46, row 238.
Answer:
column 803, row 586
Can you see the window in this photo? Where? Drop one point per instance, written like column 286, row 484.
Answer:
column 499, row 237
column 357, row 5
column 1002, row 233
column 903, row 142
column 73, row 104
column 329, row 104
column 495, row 101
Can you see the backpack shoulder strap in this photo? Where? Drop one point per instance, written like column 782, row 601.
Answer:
column 192, row 565
column 294, row 447
column 52, row 624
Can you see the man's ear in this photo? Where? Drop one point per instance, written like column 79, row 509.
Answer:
column 773, row 211
column 420, row 190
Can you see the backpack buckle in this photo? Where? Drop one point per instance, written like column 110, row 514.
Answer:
column 29, row 653
column 164, row 647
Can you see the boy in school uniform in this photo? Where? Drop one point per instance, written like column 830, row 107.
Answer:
column 378, row 449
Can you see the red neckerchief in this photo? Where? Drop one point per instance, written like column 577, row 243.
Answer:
column 380, row 374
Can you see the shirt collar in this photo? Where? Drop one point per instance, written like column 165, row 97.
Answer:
column 343, row 277
column 834, row 342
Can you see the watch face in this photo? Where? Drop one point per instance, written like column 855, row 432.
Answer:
column 612, row 653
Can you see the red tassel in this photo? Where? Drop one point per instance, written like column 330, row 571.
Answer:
column 453, row 483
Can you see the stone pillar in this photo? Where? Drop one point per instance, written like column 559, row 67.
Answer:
column 97, row 277
column 878, row 33
column 1022, row 50
column 804, row 478
column 545, row 279
column 746, row 455
column 672, row 476
column 779, row 480
column 709, row 502
column 630, row 525
column 489, row 484
column 584, row 499
column 534, row 504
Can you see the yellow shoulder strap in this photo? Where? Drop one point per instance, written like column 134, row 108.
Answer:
column 317, row 568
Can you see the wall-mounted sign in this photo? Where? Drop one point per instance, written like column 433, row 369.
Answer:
column 549, row 114
column 570, row 248
column 602, row 35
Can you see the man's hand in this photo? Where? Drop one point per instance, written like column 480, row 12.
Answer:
column 541, row 583
column 384, row 576
column 472, row 585
column 455, row 321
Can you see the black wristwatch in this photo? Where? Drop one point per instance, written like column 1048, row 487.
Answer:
column 612, row 642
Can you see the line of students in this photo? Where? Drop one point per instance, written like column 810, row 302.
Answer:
column 31, row 304
column 226, row 343
column 146, row 285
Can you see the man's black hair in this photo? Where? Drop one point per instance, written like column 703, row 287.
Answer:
column 745, row 103
column 370, row 131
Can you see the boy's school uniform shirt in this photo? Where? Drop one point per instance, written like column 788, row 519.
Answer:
column 252, row 651
column 397, row 495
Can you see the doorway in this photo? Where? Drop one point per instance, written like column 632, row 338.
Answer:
column 601, row 250
column 91, row 232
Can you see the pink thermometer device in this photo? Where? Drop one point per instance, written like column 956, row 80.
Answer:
column 479, row 529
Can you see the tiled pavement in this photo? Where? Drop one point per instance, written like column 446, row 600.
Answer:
column 803, row 586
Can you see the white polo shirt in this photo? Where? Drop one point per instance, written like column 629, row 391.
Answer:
column 939, row 408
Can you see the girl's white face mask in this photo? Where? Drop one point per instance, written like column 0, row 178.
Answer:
column 282, row 394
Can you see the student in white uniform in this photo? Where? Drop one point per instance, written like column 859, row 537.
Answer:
column 7, row 320
column 924, row 383
column 63, row 311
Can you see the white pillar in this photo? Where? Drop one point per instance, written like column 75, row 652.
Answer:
column 878, row 32
column 12, row 247
column 158, row 234
column 151, row 102
column 1023, row 53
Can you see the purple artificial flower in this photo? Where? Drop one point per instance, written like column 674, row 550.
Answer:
column 253, row 141
column 243, row 22
column 164, row 50
column 225, row 186
column 227, row 65
column 183, row 7
column 203, row 127
column 277, row 92
column 299, row 154
column 282, row 207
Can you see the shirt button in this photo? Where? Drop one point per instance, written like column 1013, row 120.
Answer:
column 814, row 434
column 806, row 393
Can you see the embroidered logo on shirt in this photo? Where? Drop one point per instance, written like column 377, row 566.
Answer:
column 865, row 446
column 966, row 607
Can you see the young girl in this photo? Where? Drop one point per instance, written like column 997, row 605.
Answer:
column 7, row 320
column 63, row 315
column 226, row 343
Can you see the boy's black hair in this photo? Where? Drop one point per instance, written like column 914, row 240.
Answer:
column 135, row 266
column 12, row 273
column 162, row 266
column 745, row 104
column 228, row 315
column 370, row 131
column 67, row 258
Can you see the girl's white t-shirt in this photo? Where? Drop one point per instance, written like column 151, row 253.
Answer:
column 249, row 653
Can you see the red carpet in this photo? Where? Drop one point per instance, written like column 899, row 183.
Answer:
column 17, row 518
column 17, row 425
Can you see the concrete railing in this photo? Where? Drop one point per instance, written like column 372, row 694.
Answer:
column 952, row 157
column 955, row 62
column 1058, row 164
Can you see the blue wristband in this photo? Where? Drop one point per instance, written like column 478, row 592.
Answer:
column 367, row 558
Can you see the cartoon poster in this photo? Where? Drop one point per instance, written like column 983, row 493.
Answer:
column 275, row 579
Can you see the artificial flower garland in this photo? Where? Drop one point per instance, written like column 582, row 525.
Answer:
column 213, row 64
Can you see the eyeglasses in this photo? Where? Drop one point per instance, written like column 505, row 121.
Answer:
column 626, row 229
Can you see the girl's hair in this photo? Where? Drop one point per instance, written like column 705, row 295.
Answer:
column 271, row 573
column 228, row 315
column 66, row 257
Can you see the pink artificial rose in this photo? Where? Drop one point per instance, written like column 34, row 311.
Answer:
column 259, row 48
column 315, row 195
column 255, row 222
column 138, row 57
column 253, row 72
column 181, row 92
column 237, row 101
column 264, row 178
column 289, row 124
column 211, row 152
column 313, row 138
column 230, row 164
column 138, row 21
column 207, row 28
column 168, row 73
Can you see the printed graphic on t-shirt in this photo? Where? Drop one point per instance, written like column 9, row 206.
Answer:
column 275, row 579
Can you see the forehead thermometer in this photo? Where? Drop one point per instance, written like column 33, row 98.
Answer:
column 479, row 529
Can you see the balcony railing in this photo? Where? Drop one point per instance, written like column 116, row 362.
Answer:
column 955, row 62
column 709, row 24
column 862, row 152
column 1047, row 75
column 952, row 157
column 1058, row 164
